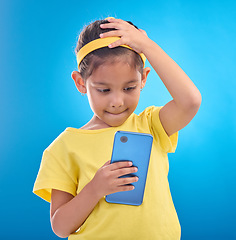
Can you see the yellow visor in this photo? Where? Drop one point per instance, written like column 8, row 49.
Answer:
column 100, row 43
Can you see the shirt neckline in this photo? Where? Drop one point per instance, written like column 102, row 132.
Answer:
column 79, row 130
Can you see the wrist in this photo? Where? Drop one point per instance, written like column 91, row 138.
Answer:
column 145, row 44
column 93, row 190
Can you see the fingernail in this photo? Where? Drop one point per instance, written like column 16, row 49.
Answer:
column 110, row 46
column 130, row 163
column 101, row 35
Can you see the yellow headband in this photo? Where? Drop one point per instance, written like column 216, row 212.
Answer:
column 100, row 43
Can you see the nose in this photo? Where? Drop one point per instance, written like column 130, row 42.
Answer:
column 117, row 100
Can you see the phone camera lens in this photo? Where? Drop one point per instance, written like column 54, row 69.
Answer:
column 123, row 139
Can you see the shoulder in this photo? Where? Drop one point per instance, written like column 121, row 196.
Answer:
column 63, row 140
column 149, row 111
column 151, row 116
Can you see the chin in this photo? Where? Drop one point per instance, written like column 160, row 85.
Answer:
column 116, row 124
column 116, row 121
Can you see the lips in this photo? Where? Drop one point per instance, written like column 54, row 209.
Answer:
column 116, row 113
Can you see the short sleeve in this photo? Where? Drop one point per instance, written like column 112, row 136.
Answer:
column 54, row 173
column 168, row 143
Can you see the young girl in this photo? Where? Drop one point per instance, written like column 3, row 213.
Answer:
column 75, row 173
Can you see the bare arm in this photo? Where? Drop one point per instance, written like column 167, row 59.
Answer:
column 177, row 113
column 68, row 213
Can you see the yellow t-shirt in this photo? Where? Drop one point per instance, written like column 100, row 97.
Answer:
column 74, row 157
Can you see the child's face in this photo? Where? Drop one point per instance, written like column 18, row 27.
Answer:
column 113, row 92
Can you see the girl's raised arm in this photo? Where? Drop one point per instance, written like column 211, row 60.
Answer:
column 177, row 113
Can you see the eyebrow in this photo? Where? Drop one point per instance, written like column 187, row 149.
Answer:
column 102, row 83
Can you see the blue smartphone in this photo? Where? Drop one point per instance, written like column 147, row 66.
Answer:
column 134, row 147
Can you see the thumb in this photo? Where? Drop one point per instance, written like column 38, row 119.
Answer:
column 107, row 163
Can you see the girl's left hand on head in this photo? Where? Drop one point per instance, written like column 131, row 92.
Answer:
column 129, row 35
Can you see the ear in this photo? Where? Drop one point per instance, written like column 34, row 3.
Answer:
column 146, row 71
column 79, row 82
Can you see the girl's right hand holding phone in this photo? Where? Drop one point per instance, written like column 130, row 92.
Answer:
column 107, row 179
column 69, row 212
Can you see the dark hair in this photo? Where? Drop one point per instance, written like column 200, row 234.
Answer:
column 99, row 56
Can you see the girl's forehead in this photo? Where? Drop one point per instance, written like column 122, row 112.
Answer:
column 113, row 70
column 113, row 78
column 113, row 83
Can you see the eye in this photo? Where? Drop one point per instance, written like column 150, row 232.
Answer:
column 103, row 90
column 130, row 88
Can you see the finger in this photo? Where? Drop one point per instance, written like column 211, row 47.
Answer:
column 110, row 25
column 126, row 181
column 118, row 165
column 115, row 33
column 116, row 43
column 124, row 171
column 115, row 23
column 107, row 163
column 115, row 20
column 123, row 188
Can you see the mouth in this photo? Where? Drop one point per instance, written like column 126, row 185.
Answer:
column 116, row 113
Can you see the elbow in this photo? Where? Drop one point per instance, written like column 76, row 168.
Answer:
column 196, row 101
column 193, row 103
column 61, row 235
column 59, row 228
column 59, row 232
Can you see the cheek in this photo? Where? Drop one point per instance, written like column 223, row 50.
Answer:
column 134, row 98
column 91, row 99
column 96, row 102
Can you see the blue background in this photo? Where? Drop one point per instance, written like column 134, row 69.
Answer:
column 38, row 100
